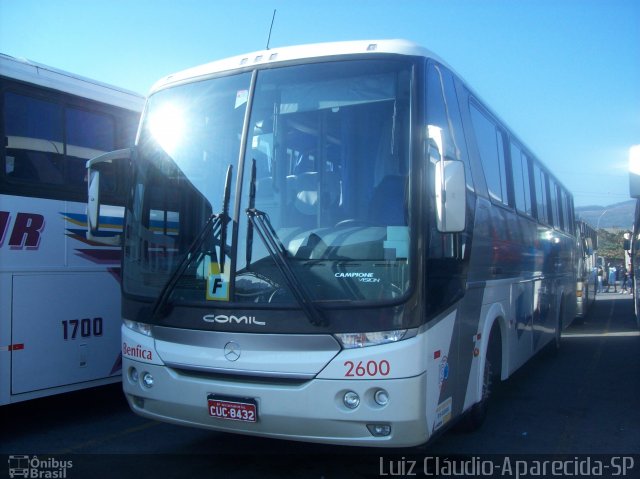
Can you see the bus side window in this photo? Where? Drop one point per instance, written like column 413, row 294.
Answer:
column 34, row 139
column 542, row 204
column 89, row 134
column 521, row 182
column 443, row 116
column 556, row 210
column 48, row 142
column 443, row 111
column 490, row 141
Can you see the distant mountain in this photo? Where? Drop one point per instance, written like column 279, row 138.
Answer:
column 618, row 215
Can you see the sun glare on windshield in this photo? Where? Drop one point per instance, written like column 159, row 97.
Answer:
column 167, row 125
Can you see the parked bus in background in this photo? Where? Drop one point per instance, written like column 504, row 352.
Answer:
column 587, row 280
column 633, row 247
column 59, row 293
column 334, row 243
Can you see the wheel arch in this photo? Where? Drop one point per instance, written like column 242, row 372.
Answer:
column 495, row 317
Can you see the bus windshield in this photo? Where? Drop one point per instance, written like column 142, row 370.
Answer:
column 320, row 158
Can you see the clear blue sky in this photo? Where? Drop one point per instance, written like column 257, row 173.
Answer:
column 564, row 74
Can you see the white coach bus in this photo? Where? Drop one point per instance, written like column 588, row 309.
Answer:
column 333, row 243
column 59, row 293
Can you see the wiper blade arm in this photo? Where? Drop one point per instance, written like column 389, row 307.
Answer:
column 252, row 206
column 225, row 217
column 277, row 251
column 216, row 223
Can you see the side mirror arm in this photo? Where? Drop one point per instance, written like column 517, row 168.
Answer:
column 93, row 196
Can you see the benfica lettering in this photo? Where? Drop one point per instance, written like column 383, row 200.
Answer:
column 137, row 351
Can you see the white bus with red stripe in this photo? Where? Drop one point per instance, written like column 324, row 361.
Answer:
column 333, row 243
column 59, row 293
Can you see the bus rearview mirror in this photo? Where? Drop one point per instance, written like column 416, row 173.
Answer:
column 93, row 202
column 451, row 198
column 93, row 195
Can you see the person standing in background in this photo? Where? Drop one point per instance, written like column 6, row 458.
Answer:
column 612, row 279
column 599, row 274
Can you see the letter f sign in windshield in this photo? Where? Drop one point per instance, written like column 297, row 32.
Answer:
column 217, row 284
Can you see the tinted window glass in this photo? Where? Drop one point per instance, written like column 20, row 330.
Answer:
column 33, row 131
column 32, row 118
column 540, row 179
column 455, row 124
column 521, row 185
column 555, row 210
column 445, row 130
column 88, row 129
column 48, row 143
column 89, row 134
column 490, row 145
column 567, row 211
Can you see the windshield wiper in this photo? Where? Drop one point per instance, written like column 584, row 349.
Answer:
column 252, row 206
column 225, row 217
column 216, row 223
column 260, row 221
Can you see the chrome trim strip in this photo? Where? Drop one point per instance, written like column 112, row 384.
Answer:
column 241, row 372
column 255, row 341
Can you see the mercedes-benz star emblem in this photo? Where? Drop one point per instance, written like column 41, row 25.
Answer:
column 232, row 351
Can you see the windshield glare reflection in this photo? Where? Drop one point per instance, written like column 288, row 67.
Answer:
column 167, row 126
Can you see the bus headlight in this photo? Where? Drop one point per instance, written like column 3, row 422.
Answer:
column 147, row 380
column 362, row 340
column 351, row 399
column 133, row 375
column 379, row 430
column 381, row 397
column 141, row 328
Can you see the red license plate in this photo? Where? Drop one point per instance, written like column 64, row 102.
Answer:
column 245, row 410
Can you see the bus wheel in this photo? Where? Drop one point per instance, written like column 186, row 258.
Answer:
column 478, row 412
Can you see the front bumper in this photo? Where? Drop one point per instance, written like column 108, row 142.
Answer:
column 310, row 411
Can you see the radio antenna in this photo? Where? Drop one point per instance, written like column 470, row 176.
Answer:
column 271, row 27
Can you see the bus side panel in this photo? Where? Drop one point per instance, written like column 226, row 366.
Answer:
column 33, row 234
column 41, row 234
column 60, row 299
column 67, row 333
column 5, row 337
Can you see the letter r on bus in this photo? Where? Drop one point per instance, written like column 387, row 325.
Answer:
column 26, row 231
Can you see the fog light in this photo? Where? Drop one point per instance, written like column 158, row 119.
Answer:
column 381, row 397
column 351, row 400
column 133, row 375
column 147, row 380
column 379, row 430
